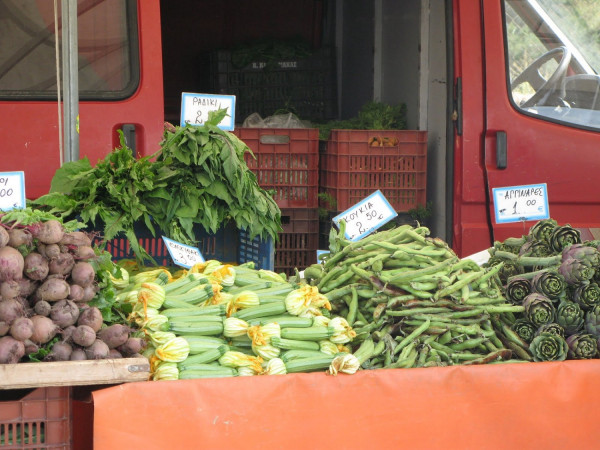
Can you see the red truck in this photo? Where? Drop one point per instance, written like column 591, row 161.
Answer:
column 508, row 90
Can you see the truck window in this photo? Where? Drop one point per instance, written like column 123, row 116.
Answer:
column 553, row 58
column 108, row 49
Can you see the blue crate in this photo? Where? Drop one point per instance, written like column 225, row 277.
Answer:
column 228, row 245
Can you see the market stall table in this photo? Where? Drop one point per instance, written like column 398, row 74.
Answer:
column 518, row 405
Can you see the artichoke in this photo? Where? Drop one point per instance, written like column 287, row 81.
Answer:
column 525, row 329
column 587, row 295
column 539, row 309
column 563, row 236
column 508, row 270
column 550, row 284
column 592, row 321
column 543, row 229
column 582, row 252
column 570, row 316
column 576, row 271
column 517, row 289
column 548, row 347
column 582, row 346
column 551, row 327
column 535, row 249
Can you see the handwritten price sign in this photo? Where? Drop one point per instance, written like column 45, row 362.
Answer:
column 12, row 190
column 366, row 216
column 520, row 203
column 195, row 109
column 183, row 255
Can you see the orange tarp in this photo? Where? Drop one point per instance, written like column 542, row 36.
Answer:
column 506, row 406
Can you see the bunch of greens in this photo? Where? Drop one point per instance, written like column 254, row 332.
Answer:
column 198, row 177
column 372, row 116
column 555, row 276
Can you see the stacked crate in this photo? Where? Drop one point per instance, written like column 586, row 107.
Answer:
column 286, row 163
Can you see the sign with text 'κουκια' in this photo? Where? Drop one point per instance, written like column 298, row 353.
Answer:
column 12, row 190
column 183, row 255
column 521, row 203
column 195, row 109
column 366, row 216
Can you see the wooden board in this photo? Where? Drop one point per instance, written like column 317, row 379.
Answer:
column 73, row 373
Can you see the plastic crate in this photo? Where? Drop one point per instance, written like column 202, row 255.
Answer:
column 351, row 168
column 299, row 241
column 287, row 162
column 307, row 86
column 41, row 419
column 228, row 245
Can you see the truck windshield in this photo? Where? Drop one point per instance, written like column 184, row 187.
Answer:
column 553, row 50
column 107, row 41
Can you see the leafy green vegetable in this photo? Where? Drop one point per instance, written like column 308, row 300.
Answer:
column 28, row 216
column 197, row 178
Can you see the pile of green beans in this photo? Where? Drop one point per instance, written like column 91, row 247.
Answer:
column 414, row 303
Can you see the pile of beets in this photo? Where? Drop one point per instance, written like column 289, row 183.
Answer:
column 46, row 282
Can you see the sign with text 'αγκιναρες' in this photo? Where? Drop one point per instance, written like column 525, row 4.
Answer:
column 521, row 203
column 366, row 216
column 183, row 255
column 195, row 109
column 12, row 190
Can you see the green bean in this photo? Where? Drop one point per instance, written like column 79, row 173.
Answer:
column 468, row 344
column 412, row 336
column 471, row 277
column 352, row 307
column 414, row 311
column 410, row 275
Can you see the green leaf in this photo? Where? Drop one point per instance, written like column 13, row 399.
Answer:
column 65, row 178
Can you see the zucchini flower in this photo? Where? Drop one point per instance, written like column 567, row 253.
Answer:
column 328, row 347
column 158, row 338
column 131, row 297
column 261, row 340
column 269, row 275
column 156, row 322
column 120, row 282
column 246, row 372
column 151, row 295
column 238, row 359
column 304, row 298
column 174, row 350
column 205, row 267
column 343, row 348
column 321, row 321
column 244, row 299
column 234, row 327
column 344, row 363
column 342, row 331
column 148, row 352
column 224, row 275
column 166, row 371
column 148, row 276
column 274, row 366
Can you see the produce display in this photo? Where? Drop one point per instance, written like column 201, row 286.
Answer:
column 51, row 278
column 217, row 320
column 198, row 178
column 554, row 275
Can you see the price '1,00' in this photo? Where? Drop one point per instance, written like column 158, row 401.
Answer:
column 6, row 192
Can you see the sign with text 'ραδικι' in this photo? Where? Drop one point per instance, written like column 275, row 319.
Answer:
column 195, row 109
column 366, row 216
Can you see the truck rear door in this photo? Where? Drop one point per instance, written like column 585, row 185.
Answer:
column 542, row 107
column 120, row 83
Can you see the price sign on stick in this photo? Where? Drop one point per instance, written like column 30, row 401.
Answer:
column 366, row 216
column 195, row 109
column 12, row 190
column 519, row 203
column 183, row 255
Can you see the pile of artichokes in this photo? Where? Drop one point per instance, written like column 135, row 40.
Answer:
column 555, row 276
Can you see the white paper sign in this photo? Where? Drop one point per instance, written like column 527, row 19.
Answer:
column 366, row 216
column 519, row 203
column 195, row 109
column 12, row 190
column 183, row 255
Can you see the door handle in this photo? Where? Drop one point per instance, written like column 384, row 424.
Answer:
column 501, row 152
column 130, row 138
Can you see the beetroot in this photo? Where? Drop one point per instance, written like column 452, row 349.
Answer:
column 78, row 354
column 18, row 237
column 83, row 274
column 30, row 346
column 84, row 252
column 51, row 251
column 4, row 328
column 42, row 308
column 49, row 232
column 75, row 293
column 43, row 329
column 11, row 350
column 53, row 289
column 91, row 317
column 89, row 292
column 10, row 289
column 76, row 238
column 114, row 354
column 61, row 351
column 132, row 346
column 36, row 266
column 11, row 264
column 27, row 286
column 21, row 328
column 67, row 333
column 64, row 313
column 4, row 237
column 83, row 335
column 11, row 309
column 114, row 335
column 98, row 350
column 62, row 264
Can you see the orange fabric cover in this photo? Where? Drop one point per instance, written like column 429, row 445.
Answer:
column 524, row 405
